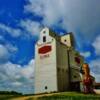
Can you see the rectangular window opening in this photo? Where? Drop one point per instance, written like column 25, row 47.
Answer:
column 44, row 38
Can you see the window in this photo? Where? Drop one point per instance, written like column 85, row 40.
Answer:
column 44, row 32
column 46, row 87
column 44, row 38
column 65, row 40
column 75, row 76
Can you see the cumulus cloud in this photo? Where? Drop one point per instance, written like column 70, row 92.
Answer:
column 95, row 69
column 17, row 77
column 29, row 27
column 4, row 54
column 11, row 48
column 72, row 15
column 32, row 27
column 96, row 45
column 28, row 70
column 6, row 50
column 1, row 38
column 86, row 54
column 11, row 31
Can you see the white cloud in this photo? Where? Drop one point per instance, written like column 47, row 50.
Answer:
column 73, row 15
column 17, row 76
column 96, row 45
column 16, row 71
column 17, row 84
column 4, row 54
column 97, row 77
column 28, row 26
column 13, row 32
column 28, row 71
column 37, row 9
column 31, row 26
column 11, row 48
column 1, row 38
column 86, row 54
column 6, row 50
column 95, row 69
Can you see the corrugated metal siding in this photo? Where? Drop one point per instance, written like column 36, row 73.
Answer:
column 62, row 67
column 75, row 75
column 75, row 68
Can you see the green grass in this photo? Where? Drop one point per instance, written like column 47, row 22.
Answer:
column 70, row 96
column 54, row 96
column 9, row 96
column 6, row 97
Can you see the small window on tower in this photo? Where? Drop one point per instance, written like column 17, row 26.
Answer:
column 65, row 40
column 46, row 87
column 44, row 38
column 44, row 32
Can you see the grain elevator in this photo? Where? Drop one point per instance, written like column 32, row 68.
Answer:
column 57, row 63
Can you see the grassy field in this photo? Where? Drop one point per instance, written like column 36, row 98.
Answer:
column 71, row 96
column 53, row 96
column 8, row 97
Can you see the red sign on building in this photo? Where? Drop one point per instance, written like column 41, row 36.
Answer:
column 44, row 49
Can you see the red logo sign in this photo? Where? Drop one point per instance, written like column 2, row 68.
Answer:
column 44, row 49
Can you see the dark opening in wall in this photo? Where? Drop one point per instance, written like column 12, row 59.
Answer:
column 46, row 87
column 44, row 38
column 65, row 40
column 75, row 76
column 44, row 32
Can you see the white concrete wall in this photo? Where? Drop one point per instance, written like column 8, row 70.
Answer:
column 45, row 68
column 44, row 32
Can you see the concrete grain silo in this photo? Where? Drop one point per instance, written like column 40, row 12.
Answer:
column 57, row 63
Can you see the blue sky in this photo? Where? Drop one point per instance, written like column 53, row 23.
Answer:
column 20, row 24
